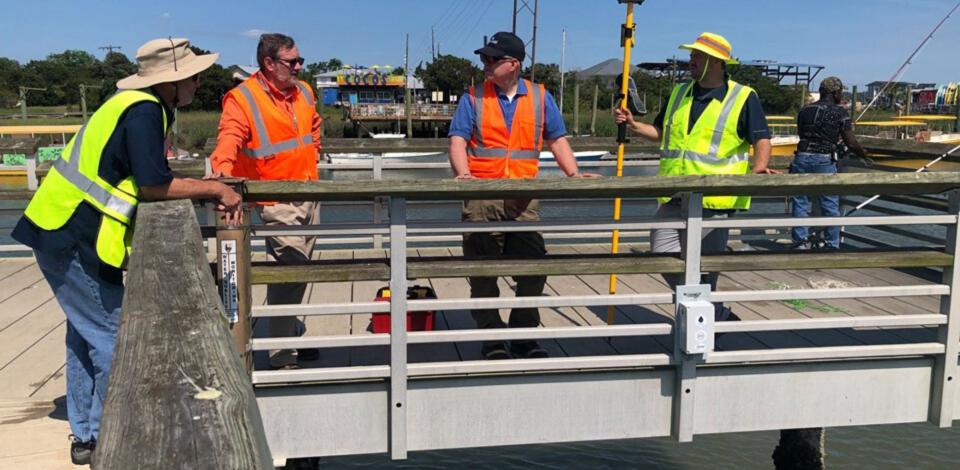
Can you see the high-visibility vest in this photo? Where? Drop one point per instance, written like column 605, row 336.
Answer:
column 712, row 146
column 280, row 146
column 74, row 179
column 494, row 151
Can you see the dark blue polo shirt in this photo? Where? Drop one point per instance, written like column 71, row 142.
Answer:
column 751, row 126
column 136, row 148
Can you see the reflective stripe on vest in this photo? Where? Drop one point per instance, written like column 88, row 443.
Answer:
column 519, row 141
column 711, row 146
column 272, row 148
column 71, row 171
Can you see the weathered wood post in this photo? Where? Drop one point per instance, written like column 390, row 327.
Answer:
column 233, row 275
column 178, row 397
column 853, row 104
column 576, row 108
column 956, row 124
column 593, row 114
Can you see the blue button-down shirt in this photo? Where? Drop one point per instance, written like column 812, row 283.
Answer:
column 465, row 117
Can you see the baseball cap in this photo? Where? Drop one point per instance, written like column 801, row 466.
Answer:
column 504, row 44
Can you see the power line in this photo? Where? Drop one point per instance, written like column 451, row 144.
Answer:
column 475, row 24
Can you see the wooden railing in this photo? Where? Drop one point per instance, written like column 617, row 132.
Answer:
column 179, row 396
column 937, row 397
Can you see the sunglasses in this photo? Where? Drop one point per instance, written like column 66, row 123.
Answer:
column 290, row 62
column 488, row 60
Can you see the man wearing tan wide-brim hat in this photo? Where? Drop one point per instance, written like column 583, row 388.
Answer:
column 706, row 128
column 80, row 219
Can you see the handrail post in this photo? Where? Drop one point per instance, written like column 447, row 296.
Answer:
column 945, row 368
column 233, row 275
column 32, row 182
column 686, row 375
column 398, row 328
column 377, row 201
column 209, row 214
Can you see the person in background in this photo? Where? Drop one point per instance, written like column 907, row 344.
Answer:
column 270, row 130
column 497, row 132
column 706, row 128
column 822, row 125
column 80, row 221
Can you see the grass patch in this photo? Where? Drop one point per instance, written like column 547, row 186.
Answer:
column 800, row 304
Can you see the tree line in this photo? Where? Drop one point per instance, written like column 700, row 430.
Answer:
column 60, row 76
column 454, row 75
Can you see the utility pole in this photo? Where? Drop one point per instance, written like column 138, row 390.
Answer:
column 563, row 52
column 23, row 99
column 109, row 48
column 433, row 45
column 406, row 88
column 533, row 53
column 83, row 99
column 525, row 4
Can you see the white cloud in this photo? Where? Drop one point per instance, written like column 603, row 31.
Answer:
column 253, row 33
column 165, row 15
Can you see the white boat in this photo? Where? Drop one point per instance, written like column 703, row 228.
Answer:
column 347, row 158
column 388, row 135
column 586, row 156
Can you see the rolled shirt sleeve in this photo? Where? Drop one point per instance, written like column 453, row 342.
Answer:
column 553, row 125
column 233, row 132
column 463, row 118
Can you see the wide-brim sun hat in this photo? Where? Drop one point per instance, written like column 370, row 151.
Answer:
column 713, row 45
column 165, row 61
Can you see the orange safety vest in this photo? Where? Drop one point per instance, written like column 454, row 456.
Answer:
column 280, row 147
column 494, row 151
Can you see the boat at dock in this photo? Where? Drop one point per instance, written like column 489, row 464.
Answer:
column 357, row 157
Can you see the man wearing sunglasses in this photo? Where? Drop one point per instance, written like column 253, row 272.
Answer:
column 270, row 130
column 498, row 131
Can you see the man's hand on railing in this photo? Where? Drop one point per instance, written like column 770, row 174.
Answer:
column 765, row 170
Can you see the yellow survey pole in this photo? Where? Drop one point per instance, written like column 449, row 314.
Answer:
column 626, row 41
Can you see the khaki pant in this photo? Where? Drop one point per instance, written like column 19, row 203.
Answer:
column 507, row 244
column 288, row 250
column 671, row 240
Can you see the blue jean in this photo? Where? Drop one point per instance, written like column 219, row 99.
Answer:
column 92, row 308
column 801, row 205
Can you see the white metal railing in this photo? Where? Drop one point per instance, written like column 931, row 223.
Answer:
column 398, row 228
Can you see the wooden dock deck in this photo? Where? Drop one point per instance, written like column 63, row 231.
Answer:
column 33, row 423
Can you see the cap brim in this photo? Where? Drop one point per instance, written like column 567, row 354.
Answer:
column 710, row 52
column 490, row 51
column 197, row 65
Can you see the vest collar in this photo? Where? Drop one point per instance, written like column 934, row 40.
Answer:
column 521, row 89
column 273, row 91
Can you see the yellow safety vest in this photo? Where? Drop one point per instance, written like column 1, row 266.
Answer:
column 711, row 147
column 74, row 178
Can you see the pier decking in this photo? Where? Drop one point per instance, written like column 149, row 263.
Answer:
column 32, row 329
column 825, row 338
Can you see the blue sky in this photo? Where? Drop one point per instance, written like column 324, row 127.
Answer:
column 858, row 40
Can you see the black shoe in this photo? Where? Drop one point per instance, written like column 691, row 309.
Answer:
column 494, row 350
column 527, row 350
column 81, row 452
column 308, row 354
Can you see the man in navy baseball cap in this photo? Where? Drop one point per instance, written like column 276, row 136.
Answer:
column 504, row 44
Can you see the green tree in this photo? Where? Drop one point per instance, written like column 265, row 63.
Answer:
column 548, row 75
column 214, row 83
column 449, row 74
column 776, row 99
column 10, row 73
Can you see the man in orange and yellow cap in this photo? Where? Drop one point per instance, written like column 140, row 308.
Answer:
column 706, row 128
